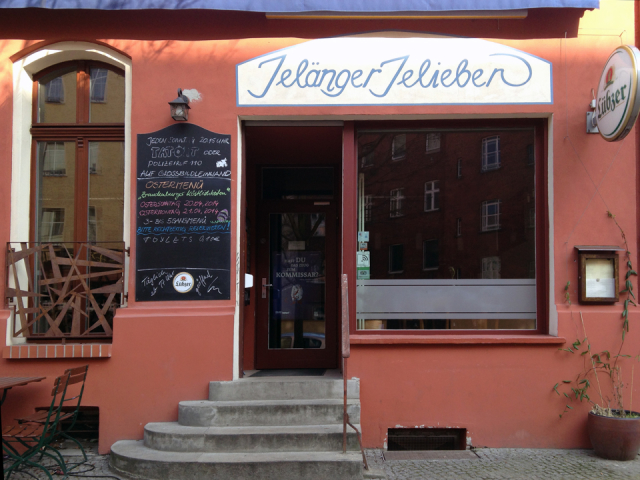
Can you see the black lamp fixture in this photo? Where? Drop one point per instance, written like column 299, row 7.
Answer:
column 180, row 107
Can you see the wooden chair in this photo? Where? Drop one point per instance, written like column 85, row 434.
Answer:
column 33, row 438
column 70, row 406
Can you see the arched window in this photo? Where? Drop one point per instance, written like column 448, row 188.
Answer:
column 78, row 153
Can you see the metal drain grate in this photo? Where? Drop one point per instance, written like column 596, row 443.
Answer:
column 404, row 439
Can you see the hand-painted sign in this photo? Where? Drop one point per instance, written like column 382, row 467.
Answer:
column 183, row 234
column 618, row 96
column 365, row 70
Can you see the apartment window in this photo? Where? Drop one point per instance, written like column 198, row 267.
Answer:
column 54, row 161
column 433, row 142
column 531, row 157
column 396, row 202
column 368, row 156
column 54, row 91
column 459, row 168
column 491, row 267
column 399, row 147
column 430, row 254
column 458, row 227
column 431, row 196
column 490, row 215
column 396, row 258
column 52, row 224
column 368, row 208
column 490, row 153
column 98, row 84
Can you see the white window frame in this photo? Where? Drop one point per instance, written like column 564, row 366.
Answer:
column 491, row 268
column 399, row 152
column 52, row 224
column 396, row 202
column 490, row 219
column 98, row 85
column 432, row 142
column 432, row 196
column 491, row 159
column 24, row 69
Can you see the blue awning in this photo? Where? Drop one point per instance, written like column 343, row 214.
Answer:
column 299, row 6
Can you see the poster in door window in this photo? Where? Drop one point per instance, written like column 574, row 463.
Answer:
column 183, row 215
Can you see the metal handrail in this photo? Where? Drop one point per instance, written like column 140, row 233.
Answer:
column 346, row 353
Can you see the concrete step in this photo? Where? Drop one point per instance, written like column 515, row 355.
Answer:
column 133, row 458
column 282, row 388
column 173, row 437
column 206, row 413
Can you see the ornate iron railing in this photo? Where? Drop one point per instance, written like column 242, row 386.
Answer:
column 64, row 290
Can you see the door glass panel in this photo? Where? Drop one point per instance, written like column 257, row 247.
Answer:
column 55, row 191
column 297, row 247
column 57, row 96
column 106, row 191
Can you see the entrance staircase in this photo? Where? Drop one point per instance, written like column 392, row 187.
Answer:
column 251, row 429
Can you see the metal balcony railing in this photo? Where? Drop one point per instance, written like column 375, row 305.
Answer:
column 64, row 290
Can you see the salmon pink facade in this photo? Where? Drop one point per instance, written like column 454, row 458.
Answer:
column 440, row 161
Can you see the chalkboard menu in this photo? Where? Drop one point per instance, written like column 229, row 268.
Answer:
column 183, row 207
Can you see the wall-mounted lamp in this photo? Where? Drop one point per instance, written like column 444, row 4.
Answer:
column 592, row 124
column 180, row 107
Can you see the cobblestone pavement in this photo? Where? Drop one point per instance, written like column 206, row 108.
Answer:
column 510, row 464
column 490, row 464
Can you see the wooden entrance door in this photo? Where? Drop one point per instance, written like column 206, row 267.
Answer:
column 296, row 285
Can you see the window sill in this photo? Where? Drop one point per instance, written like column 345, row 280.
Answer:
column 491, row 339
column 31, row 351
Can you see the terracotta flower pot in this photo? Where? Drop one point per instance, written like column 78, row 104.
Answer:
column 614, row 438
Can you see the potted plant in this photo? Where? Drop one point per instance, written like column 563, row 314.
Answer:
column 613, row 429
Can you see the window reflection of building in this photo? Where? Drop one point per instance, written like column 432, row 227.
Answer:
column 399, row 147
column 424, row 225
column 396, row 200
column 54, row 91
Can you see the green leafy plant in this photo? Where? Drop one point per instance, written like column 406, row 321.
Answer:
column 602, row 364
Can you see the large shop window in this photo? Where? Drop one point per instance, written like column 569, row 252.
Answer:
column 78, row 177
column 424, row 272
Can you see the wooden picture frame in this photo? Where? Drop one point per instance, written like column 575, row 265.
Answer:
column 598, row 274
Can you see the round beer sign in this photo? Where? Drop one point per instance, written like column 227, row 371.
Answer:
column 183, row 282
column 618, row 98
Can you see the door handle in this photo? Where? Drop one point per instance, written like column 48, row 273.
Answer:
column 264, row 287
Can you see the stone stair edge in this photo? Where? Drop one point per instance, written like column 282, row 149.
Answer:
column 168, row 427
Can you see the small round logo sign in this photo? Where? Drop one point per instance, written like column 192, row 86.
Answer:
column 618, row 96
column 183, row 282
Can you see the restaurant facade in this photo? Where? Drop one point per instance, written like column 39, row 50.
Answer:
column 438, row 157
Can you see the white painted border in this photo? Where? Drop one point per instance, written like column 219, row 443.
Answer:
column 23, row 71
column 553, row 309
column 239, row 231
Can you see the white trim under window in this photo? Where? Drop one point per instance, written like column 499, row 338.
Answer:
column 431, row 196
column 491, row 153
column 490, row 215
column 399, row 147
column 396, row 202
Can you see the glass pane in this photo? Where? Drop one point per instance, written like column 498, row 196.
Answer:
column 297, row 294
column 55, row 191
column 413, row 212
column 294, row 183
column 57, row 96
column 107, row 96
column 106, row 191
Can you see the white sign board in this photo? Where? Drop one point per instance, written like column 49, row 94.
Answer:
column 364, row 259
column 365, row 70
column 618, row 99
